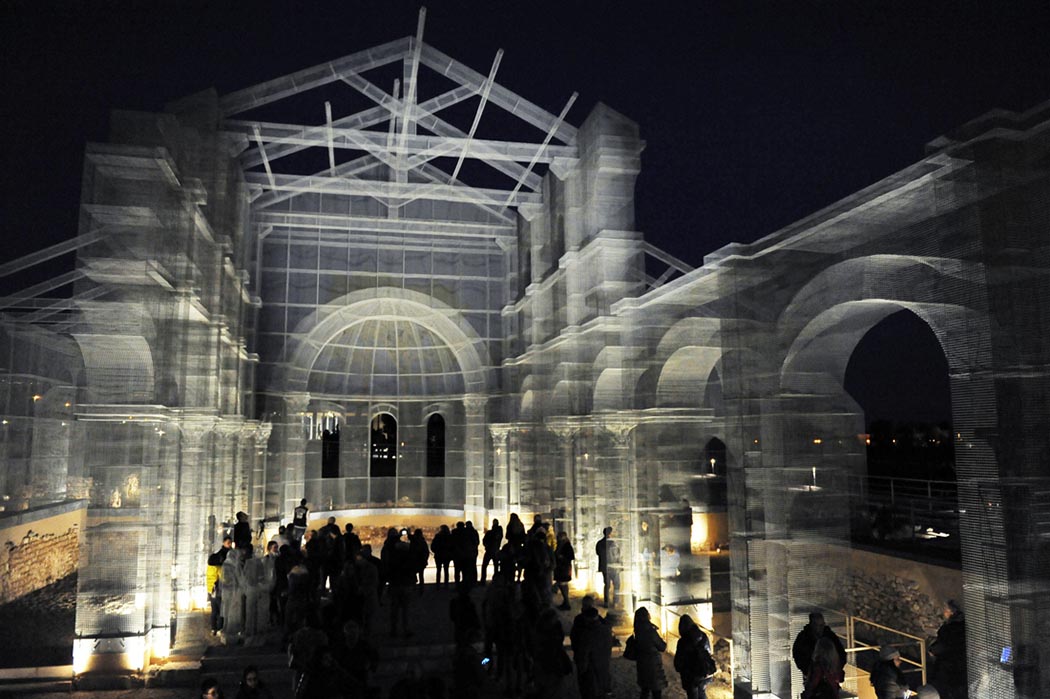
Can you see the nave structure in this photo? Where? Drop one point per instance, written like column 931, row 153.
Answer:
column 330, row 286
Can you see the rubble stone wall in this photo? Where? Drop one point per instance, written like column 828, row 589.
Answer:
column 38, row 548
column 897, row 592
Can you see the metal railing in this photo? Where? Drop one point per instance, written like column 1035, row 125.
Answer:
column 909, row 509
column 853, row 645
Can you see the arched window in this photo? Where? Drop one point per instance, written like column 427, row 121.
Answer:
column 330, row 451
column 436, row 445
column 714, row 458
column 383, row 459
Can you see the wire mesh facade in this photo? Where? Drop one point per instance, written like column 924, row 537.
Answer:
column 245, row 320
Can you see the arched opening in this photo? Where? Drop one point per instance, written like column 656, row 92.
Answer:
column 714, row 458
column 383, row 457
column 330, row 451
column 898, row 374
column 436, row 446
column 713, row 394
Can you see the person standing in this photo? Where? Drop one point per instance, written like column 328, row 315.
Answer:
column 242, row 531
column 213, row 578
column 608, row 565
column 949, row 653
column 299, row 515
column 886, row 677
column 692, row 658
column 232, row 584
column 825, row 676
column 417, row 545
column 516, row 540
column 592, row 640
column 564, row 557
column 649, row 645
column 441, row 546
column 492, row 541
column 806, row 642
column 401, row 576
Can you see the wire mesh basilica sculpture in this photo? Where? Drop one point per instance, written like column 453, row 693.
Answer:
column 380, row 310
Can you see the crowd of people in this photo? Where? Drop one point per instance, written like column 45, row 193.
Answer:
column 320, row 591
column 820, row 656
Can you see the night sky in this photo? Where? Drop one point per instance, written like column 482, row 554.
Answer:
column 755, row 114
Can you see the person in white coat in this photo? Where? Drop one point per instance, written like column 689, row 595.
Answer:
column 232, row 583
column 255, row 595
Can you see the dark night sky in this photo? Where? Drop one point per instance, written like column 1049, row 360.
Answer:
column 755, row 113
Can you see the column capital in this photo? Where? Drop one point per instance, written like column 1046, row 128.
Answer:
column 620, row 428
column 564, row 427
column 500, row 432
column 229, row 428
column 195, row 430
column 475, row 403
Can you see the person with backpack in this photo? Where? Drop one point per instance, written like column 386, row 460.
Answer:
column 825, row 676
column 692, row 659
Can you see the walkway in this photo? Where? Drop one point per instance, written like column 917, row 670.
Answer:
column 199, row 654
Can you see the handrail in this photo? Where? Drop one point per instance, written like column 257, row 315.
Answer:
column 854, row 646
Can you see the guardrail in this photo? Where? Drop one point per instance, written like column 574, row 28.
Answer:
column 853, row 645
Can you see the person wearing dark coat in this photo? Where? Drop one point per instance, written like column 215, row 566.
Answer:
column 516, row 540
column 886, row 677
column 608, row 565
column 649, row 645
column 492, row 541
column 806, row 641
column 420, row 552
column 591, row 638
column 692, row 658
column 441, row 547
column 242, row 531
column 351, row 542
column 563, row 561
column 825, row 677
column 949, row 654
column 551, row 664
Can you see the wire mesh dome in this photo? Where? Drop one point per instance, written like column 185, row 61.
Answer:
column 386, row 357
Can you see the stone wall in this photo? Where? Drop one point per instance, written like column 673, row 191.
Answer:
column 900, row 593
column 39, row 547
column 37, row 561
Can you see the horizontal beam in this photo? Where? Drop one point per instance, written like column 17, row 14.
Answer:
column 499, row 95
column 360, row 120
column 425, row 116
column 347, row 169
column 310, row 78
column 422, row 145
column 389, row 190
column 375, row 224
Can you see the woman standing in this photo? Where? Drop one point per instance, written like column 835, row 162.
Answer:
column 649, row 647
column 693, row 659
column 563, row 561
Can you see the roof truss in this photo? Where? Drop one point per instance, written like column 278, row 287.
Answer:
column 419, row 154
